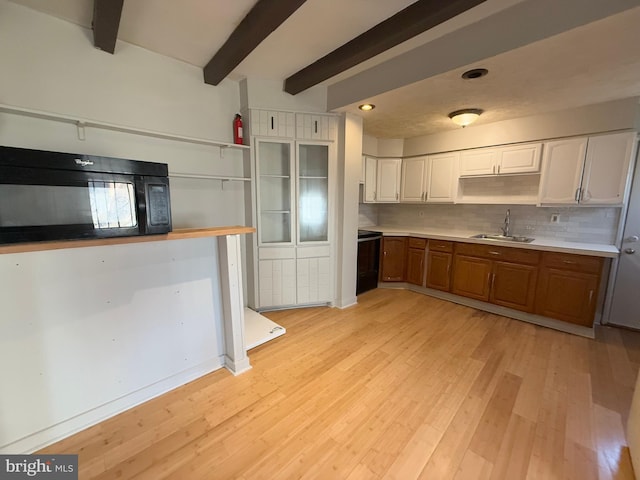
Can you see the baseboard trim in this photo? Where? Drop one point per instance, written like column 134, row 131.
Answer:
column 58, row 431
column 496, row 309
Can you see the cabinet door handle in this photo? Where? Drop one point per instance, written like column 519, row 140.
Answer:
column 590, row 296
column 315, row 126
column 577, row 196
column 493, row 169
column 396, row 195
column 569, row 262
column 374, row 195
column 491, row 252
column 272, row 123
column 498, row 169
column 493, row 280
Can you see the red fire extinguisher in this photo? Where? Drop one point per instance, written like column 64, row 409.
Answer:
column 237, row 129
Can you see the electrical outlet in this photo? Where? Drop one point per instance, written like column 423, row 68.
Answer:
column 555, row 218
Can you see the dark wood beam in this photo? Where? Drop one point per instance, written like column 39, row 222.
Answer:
column 106, row 21
column 264, row 18
column 413, row 20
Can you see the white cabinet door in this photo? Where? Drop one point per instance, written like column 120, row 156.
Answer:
column 414, row 179
column 442, row 177
column 275, row 191
column 370, row 179
column 315, row 127
column 363, row 172
column 562, row 165
column 519, row 158
column 606, row 168
column 312, row 187
column 272, row 124
column 388, row 181
column 277, row 282
column 478, row 161
column 313, row 280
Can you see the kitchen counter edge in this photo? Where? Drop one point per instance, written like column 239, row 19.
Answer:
column 542, row 244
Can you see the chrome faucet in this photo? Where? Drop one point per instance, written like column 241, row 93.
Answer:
column 506, row 226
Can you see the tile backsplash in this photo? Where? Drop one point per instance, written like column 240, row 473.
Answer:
column 586, row 225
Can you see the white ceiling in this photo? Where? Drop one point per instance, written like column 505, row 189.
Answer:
column 596, row 62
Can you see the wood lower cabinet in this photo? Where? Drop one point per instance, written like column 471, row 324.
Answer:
column 416, row 254
column 568, row 287
column 514, row 285
column 439, row 262
column 471, row 277
column 501, row 275
column 439, row 270
column 393, row 259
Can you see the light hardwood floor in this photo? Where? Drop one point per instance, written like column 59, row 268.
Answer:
column 401, row 386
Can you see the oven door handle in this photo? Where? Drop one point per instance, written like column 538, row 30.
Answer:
column 366, row 239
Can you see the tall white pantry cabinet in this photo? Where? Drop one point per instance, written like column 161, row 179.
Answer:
column 294, row 159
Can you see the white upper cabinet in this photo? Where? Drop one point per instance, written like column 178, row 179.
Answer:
column 510, row 159
column 388, row 180
column 562, row 170
column 315, row 126
column 478, row 161
column 519, row 158
column 606, row 168
column 429, row 179
column 415, row 172
column 370, row 179
column 267, row 123
column 590, row 171
column 442, row 177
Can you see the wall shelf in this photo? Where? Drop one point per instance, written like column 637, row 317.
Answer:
column 82, row 123
column 209, row 177
column 178, row 234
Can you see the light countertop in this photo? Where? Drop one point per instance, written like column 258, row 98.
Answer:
column 540, row 243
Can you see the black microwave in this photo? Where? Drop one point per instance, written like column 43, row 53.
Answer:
column 48, row 196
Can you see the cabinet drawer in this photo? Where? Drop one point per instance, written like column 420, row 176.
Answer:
column 440, row 246
column 417, row 242
column 509, row 254
column 570, row 261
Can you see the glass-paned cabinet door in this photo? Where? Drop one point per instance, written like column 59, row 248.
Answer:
column 313, row 193
column 275, row 191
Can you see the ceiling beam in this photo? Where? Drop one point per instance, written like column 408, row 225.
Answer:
column 106, row 21
column 413, row 20
column 264, row 18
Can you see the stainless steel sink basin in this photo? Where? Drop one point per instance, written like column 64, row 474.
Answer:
column 506, row 238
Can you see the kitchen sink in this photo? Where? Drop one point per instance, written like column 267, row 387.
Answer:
column 506, row 238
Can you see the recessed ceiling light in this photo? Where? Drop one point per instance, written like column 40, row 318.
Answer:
column 475, row 73
column 365, row 107
column 465, row 117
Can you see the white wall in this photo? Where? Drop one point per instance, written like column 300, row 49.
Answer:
column 89, row 332
column 602, row 117
column 349, row 167
column 262, row 93
column 369, row 145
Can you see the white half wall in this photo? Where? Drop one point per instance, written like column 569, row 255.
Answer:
column 88, row 332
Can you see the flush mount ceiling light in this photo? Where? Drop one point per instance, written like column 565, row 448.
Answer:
column 475, row 73
column 465, row 116
column 365, row 107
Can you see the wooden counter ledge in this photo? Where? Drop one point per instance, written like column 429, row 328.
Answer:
column 179, row 234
